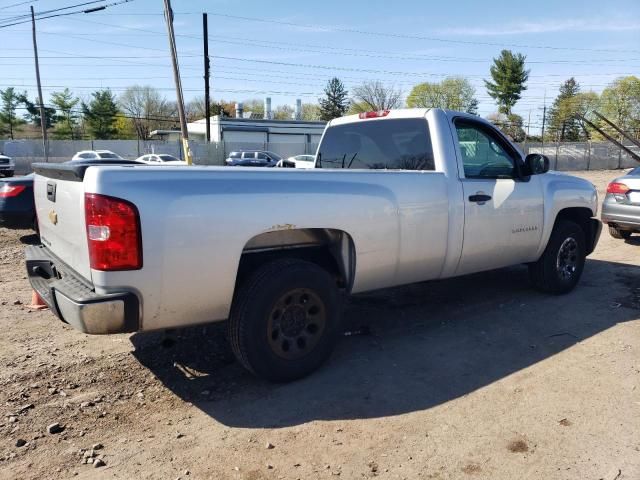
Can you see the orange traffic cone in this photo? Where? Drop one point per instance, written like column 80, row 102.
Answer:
column 36, row 302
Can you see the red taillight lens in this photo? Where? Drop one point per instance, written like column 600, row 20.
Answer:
column 379, row 113
column 11, row 190
column 113, row 232
column 619, row 188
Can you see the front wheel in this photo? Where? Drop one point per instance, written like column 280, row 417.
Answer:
column 285, row 320
column 559, row 268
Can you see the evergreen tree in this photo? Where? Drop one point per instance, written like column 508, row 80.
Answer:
column 563, row 123
column 509, row 78
column 100, row 114
column 9, row 103
column 66, row 121
column 335, row 103
column 33, row 112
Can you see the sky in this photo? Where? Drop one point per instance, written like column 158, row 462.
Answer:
column 288, row 49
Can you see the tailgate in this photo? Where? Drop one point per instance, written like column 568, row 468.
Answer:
column 59, row 197
column 60, row 209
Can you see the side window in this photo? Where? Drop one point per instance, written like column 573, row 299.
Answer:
column 391, row 144
column 262, row 156
column 483, row 154
column 87, row 155
column 249, row 155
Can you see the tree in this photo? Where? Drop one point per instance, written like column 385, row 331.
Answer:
column 563, row 122
column 335, row 102
column 373, row 95
column 100, row 114
column 255, row 106
column 453, row 93
column 310, row 112
column 511, row 125
column 148, row 109
column 8, row 119
column 33, row 112
column 509, row 79
column 67, row 120
column 620, row 103
column 283, row 112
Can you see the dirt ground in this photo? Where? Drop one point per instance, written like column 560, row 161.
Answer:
column 475, row 377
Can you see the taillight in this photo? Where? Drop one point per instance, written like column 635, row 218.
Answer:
column 11, row 190
column 113, row 232
column 379, row 113
column 618, row 188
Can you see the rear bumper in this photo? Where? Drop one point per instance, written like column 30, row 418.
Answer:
column 75, row 302
column 621, row 215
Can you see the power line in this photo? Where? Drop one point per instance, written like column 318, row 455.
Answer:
column 411, row 36
column 89, row 10
column 18, row 4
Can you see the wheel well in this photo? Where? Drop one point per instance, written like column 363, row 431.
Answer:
column 583, row 217
column 331, row 249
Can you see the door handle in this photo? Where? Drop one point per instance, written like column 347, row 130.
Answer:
column 480, row 198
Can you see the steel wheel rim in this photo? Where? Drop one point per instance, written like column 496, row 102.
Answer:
column 296, row 323
column 567, row 261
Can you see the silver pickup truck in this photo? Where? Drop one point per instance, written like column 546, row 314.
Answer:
column 396, row 197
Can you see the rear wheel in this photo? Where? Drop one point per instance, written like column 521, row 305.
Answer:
column 285, row 320
column 620, row 234
column 559, row 268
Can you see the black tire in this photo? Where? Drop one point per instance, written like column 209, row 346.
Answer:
column 285, row 320
column 559, row 268
column 619, row 234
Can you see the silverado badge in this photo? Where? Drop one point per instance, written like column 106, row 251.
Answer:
column 53, row 216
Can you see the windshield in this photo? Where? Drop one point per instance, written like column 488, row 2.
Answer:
column 399, row 144
column 168, row 158
column 275, row 156
column 635, row 171
column 109, row 155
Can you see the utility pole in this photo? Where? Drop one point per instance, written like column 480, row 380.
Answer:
column 544, row 118
column 207, row 112
column 43, row 120
column 168, row 15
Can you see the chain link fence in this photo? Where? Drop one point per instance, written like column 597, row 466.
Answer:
column 563, row 156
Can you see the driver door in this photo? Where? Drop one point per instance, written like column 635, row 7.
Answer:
column 503, row 210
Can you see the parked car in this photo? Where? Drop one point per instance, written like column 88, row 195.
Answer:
column 397, row 199
column 160, row 159
column 298, row 161
column 621, row 206
column 96, row 155
column 17, row 209
column 253, row 158
column 7, row 166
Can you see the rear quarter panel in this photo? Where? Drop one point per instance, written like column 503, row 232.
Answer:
column 196, row 221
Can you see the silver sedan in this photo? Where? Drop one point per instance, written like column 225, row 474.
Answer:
column 621, row 207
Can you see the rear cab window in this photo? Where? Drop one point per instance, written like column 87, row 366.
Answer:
column 389, row 144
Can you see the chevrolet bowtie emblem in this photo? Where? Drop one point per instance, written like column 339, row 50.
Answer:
column 53, row 216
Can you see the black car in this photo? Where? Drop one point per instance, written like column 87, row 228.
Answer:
column 17, row 209
column 253, row 158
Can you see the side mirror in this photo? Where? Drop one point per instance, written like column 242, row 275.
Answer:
column 536, row 163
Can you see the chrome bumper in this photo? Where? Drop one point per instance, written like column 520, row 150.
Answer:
column 75, row 302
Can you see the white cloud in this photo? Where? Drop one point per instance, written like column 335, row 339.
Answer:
column 547, row 26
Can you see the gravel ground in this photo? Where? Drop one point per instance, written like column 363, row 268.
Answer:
column 475, row 377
